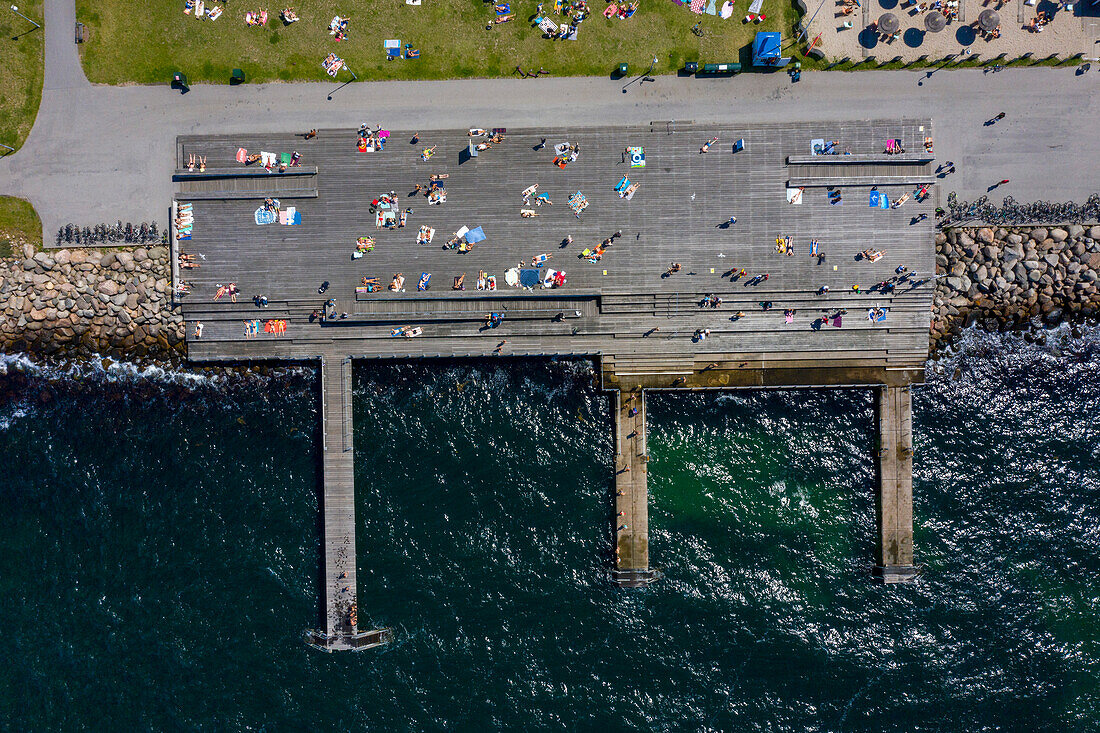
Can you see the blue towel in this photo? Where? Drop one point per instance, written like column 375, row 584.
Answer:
column 263, row 216
column 710, row 8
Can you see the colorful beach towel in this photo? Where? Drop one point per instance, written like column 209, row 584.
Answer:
column 697, row 6
column 264, row 216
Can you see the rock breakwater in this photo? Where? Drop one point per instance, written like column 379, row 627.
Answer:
column 999, row 278
column 89, row 302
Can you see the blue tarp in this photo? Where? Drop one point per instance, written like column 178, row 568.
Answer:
column 766, row 48
column 477, row 234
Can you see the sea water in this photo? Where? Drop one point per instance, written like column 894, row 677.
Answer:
column 159, row 552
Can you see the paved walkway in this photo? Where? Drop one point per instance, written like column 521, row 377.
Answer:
column 1066, row 35
column 101, row 153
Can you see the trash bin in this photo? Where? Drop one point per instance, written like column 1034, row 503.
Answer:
column 623, row 69
column 691, row 67
column 179, row 80
column 237, row 77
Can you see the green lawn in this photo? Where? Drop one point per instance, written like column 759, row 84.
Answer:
column 144, row 45
column 18, row 221
column 20, row 72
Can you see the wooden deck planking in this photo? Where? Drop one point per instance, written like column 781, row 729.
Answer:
column 338, row 504
column 684, row 195
column 894, row 503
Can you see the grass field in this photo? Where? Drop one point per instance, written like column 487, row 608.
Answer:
column 20, row 72
column 18, row 221
column 147, row 45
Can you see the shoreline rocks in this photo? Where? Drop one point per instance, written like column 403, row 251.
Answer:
column 88, row 302
column 1001, row 278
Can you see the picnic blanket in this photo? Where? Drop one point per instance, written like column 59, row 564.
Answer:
column 697, row 6
column 332, row 64
column 214, row 13
column 754, row 8
column 265, row 216
column 528, row 277
column 290, row 216
column 637, row 156
column 727, row 9
column 578, row 203
column 268, row 159
column 393, row 48
column 711, row 9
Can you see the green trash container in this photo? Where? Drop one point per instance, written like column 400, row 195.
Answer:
column 237, row 77
column 623, row 69
column 179, row 80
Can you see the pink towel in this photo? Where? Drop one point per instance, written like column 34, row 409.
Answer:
column 697, row 6
column 242, row 155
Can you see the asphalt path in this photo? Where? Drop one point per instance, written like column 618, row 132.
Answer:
column 102, row 153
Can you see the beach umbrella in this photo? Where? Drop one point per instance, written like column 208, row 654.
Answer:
column 935, row 22
column 888, row 24
column 989, row 21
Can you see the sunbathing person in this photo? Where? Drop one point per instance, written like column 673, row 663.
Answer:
column 481, row 281
column 289, row 16
column 477, row 132
column 296, row 159
column 459, row 283
column 252, row 158
column 202, row 164
column 483, row 146
column 707, row 144
column 674, row 267
column 398, row 282
column 539, row 260
column 191, row 162
column 439, row 176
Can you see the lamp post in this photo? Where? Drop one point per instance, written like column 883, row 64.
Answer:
column 15, row 9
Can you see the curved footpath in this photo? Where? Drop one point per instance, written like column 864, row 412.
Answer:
column 98, row 154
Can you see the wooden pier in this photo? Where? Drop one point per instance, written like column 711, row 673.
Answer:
column 631, row 521
column 339, row 594
column 802, row 326
column 894, row 502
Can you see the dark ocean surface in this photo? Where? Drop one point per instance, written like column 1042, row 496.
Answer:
column 159, row 553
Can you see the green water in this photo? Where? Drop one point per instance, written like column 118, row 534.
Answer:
column 159, row 554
